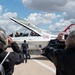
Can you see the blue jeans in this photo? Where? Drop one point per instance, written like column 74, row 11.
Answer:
column 25, row 53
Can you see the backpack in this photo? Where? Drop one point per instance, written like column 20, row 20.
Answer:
column 2, row 72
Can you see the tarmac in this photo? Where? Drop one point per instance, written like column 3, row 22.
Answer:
column 36, row 65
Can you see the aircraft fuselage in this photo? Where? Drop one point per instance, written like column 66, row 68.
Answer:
column 34, row 43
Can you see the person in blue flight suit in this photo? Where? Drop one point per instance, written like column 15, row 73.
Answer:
column 24, row 48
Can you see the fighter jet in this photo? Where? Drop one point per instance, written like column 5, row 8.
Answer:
column 38, row 39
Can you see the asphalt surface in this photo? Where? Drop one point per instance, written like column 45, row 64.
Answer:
column 36, row 65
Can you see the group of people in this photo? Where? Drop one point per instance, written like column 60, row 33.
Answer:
column 63, row 59
column 21, row 34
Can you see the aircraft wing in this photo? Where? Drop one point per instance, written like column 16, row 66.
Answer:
column 27, row 25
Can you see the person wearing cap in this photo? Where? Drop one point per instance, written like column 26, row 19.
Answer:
column 15, row 57
column 63, row 59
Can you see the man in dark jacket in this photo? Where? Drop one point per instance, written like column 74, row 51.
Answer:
column 63, row 59
column 14, row 58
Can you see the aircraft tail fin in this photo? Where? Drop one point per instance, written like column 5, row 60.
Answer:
column 69, row 28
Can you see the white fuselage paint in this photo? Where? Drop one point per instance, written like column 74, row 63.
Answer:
column 34, row 42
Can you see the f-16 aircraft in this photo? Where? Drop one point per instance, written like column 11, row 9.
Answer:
column 39, row 39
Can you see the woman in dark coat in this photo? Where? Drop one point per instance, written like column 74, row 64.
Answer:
column 14, row 58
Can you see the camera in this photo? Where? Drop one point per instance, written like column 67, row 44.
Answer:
column 56, row 44
column 65, row 36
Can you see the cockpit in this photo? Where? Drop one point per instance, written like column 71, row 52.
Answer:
column 30, row 29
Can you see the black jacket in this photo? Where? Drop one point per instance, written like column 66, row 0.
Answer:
column 63, row 59
column 14, row 58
